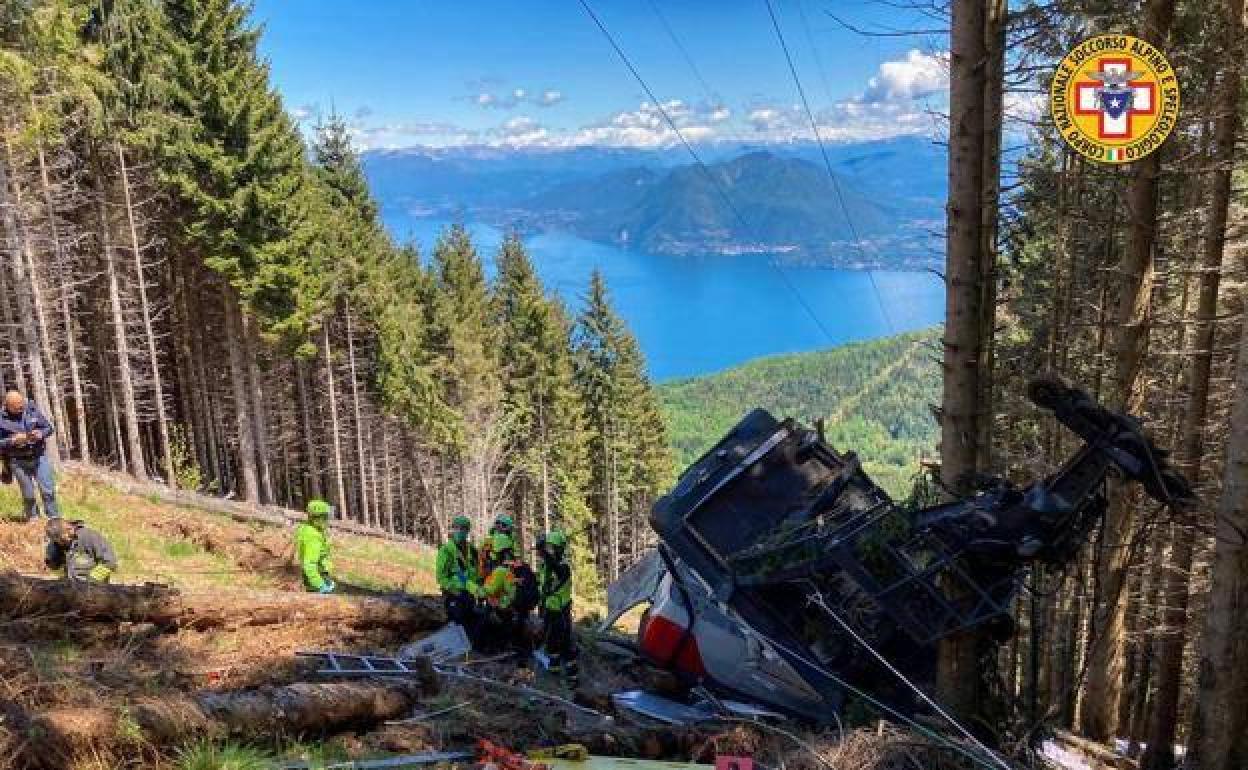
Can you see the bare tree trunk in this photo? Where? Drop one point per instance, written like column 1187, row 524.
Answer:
column 1220, row 734
column 136, row 463
column 260, row 417
column 25, row 285
column 312, row 465
column 387, row 469
column 235, row 333
column 10, row 323
column 360, row 460
column 962, row 413
column 339, row 489
column 67, row 436
column 1128, row 341
column 145, row 312
column 1218, row 739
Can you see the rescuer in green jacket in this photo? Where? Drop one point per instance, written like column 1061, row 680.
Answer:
column 312, row 549
column 456, row 570
column 554, row 579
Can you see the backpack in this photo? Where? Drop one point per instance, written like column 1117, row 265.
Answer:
column 528, row 596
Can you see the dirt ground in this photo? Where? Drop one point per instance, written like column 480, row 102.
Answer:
column 77, row 667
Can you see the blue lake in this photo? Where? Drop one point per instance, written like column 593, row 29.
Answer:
column 693, row 315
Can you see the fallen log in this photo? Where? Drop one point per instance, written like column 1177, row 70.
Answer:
column 303, row 708
column 1102, row 755
column 23, row 596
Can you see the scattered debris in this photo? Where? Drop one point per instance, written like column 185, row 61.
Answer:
column 531, row 692
column 449, row 643
column 673, row 712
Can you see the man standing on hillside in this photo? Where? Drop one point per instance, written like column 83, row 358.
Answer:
column 24, row 433
column 554, row 577
column 83, row 553
column 459, row 579
column 312, row 549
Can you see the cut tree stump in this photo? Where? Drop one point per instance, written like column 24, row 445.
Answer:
column 291, row 710
column 31, row 598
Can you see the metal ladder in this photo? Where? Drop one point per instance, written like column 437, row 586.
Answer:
column 344, row 664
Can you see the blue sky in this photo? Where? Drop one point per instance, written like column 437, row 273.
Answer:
column 539, row 73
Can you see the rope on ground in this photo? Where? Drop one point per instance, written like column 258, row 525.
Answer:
column 455, row 673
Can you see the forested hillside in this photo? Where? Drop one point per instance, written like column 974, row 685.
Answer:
column 875, row 398
column 194, row 292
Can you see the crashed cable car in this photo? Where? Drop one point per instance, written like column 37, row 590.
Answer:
column 784, row 576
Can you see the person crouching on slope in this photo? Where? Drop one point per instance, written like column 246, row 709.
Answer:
column 511, row 593
column 312, row 549
column 457, row 575
column 84, row 554
column 554, row 578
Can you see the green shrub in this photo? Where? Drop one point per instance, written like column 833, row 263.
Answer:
column 204, row 755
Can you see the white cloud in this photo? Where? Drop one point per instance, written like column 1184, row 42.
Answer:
column 489, row 98
column 523, row 131
column 904, row 97
column 914, row 77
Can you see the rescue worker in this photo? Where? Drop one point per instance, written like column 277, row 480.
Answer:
column 312, row 549
column 84, row 554
column 511, row 593
column 24, row 432
column 486, row 560
column 554, row 577
column 499, row 594
column 457, row 575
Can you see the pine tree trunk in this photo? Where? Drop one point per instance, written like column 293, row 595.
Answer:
column 958, row 669
column 207, row 401
column 387, row 470
column 145, row 313
column 1218, row 739
column 25, row 285
column 1220, row 733
column 1127, row 343
column 311, row 461
column 339, row 488
column 234, row 334
column 259, row 410
column 10, row 323
column 67, row 437
column 124, row 383
column 192, row 417
column 361, row 461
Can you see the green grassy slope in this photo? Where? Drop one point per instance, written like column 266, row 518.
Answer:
column 874, row 396
column 192, row 547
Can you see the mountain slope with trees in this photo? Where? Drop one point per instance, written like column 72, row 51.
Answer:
column 203, row 297
column 874, row 397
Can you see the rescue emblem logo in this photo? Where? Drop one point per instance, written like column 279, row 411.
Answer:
column 1114, row 98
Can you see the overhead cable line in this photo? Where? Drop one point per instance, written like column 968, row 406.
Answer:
column 723, row 192
column 827, row 163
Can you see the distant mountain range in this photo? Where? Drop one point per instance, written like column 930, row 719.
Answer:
column 776, row 199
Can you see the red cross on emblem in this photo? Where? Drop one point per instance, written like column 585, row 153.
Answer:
column 1087, row 102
